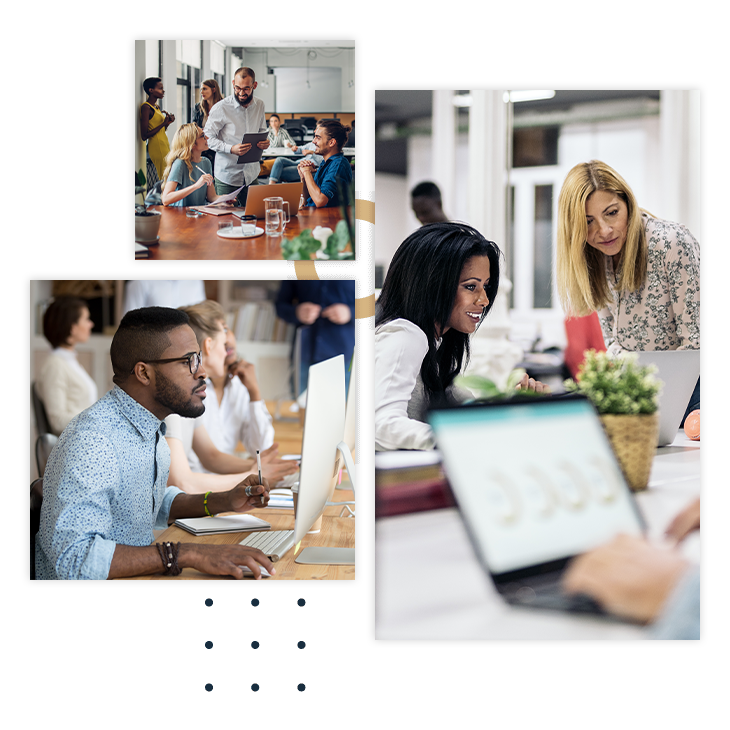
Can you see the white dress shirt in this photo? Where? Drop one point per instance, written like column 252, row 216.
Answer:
column 236, row 418
column 400, row 347
column 227, row 122
column 161, row 293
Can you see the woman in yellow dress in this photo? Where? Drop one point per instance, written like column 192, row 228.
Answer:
column 153, row 124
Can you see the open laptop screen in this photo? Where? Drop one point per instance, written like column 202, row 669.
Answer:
column 535, row 481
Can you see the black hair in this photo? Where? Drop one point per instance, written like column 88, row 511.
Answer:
column 426, row 190
column 62, row 314
column 150, row 83
column 142, row 336
column 274, row 115
column 421, row 286
column 335, row 130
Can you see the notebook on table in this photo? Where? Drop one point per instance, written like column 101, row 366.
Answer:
column 219, row 524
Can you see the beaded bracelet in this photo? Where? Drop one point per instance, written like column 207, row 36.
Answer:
column 169, row 553
column 205, row 504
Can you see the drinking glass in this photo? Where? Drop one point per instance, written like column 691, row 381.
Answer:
column 225, row 227
column 273, row 218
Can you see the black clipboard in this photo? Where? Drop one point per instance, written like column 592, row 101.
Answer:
column 254, row 154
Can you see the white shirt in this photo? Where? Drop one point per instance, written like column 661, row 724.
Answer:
column 227, row 122
column 400, row 347
column 236, row 418
column 182, row 429
column 161, row 293
column 65, row 388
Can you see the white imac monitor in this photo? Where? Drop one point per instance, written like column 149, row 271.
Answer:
column 350, row 422
column 323, row 453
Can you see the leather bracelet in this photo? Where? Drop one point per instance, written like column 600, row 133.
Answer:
column 169, row 554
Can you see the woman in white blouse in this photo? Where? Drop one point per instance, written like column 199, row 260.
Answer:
column 439, row 288
column 641, row 274
column 64, row 386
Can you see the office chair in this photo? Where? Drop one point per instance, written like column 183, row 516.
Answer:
column 39, row 411
column 309, row 123
column 296, row 132
column 43, row 447
column 36, row 502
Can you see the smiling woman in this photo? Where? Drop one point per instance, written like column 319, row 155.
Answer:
column 440, row 285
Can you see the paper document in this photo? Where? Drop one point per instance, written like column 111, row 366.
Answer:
column 226, row 198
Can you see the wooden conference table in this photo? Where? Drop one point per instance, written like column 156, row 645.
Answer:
column 336, row 531
column 183, row 238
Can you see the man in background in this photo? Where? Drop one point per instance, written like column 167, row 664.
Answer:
column 426, row 203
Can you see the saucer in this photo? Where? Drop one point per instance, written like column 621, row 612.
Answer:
column 235, row 232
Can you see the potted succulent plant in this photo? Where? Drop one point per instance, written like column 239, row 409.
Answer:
column 625, row 395
column 146, row 222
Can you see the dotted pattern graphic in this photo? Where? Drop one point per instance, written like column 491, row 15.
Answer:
column 282, row 623
column 258, row 639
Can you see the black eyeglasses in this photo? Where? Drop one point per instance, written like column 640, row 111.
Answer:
column 193, row 360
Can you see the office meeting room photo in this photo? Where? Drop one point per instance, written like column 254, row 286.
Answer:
column 244, row 149
column 235, row 399
column 537, row 363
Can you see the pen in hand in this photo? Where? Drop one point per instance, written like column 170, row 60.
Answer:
column 258, row 463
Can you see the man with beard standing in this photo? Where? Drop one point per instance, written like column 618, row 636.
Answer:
column 228, row 121
column 105, row 485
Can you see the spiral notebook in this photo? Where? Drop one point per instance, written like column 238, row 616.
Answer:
column 218, row 525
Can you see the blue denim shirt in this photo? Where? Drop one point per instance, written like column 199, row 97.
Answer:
column 329, row 176
column 105, row 484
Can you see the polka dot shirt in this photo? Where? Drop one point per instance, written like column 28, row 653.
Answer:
column 105, row 484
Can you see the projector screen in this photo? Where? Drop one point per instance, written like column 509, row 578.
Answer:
column 324, row 93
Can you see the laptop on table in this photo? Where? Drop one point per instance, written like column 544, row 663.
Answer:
column 290, row 192
column 679, row 371
column 536, row 483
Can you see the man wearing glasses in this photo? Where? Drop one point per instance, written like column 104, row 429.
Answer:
column 105, row 485
column 228, row 121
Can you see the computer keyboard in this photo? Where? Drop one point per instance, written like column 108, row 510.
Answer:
column 274, row 544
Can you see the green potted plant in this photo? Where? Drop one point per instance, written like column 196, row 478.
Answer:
column 146, row 222
column 486, row 389
column 325, row 243
column 626, row 397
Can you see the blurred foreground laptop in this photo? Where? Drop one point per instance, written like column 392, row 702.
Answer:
column 678, row 370
column 537, row 483
column 290, row 192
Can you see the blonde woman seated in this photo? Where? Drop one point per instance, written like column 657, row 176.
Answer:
column 188, row 177
column 235, row 412
column 186, row 434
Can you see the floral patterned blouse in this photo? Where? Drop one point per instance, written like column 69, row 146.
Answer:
column 664, row 314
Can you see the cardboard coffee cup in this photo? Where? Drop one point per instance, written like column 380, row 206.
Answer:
column 317, row 526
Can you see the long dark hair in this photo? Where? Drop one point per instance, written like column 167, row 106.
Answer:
column 421, row 287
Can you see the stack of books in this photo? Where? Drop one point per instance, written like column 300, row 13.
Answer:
column 410, row 481
column 256, row 321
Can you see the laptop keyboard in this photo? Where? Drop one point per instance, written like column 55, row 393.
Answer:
column 548, row 592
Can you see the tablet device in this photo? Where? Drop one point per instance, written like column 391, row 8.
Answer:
column 254, row 154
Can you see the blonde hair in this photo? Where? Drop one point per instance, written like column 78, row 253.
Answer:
column 581, row 269
column 205, row 319
column 182, row 148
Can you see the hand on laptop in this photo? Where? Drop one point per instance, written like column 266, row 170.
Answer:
column 528, row 383
column 628, row 576
column 685, row 522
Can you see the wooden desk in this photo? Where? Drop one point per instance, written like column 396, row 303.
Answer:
column 183, row 238
column 336, row 531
